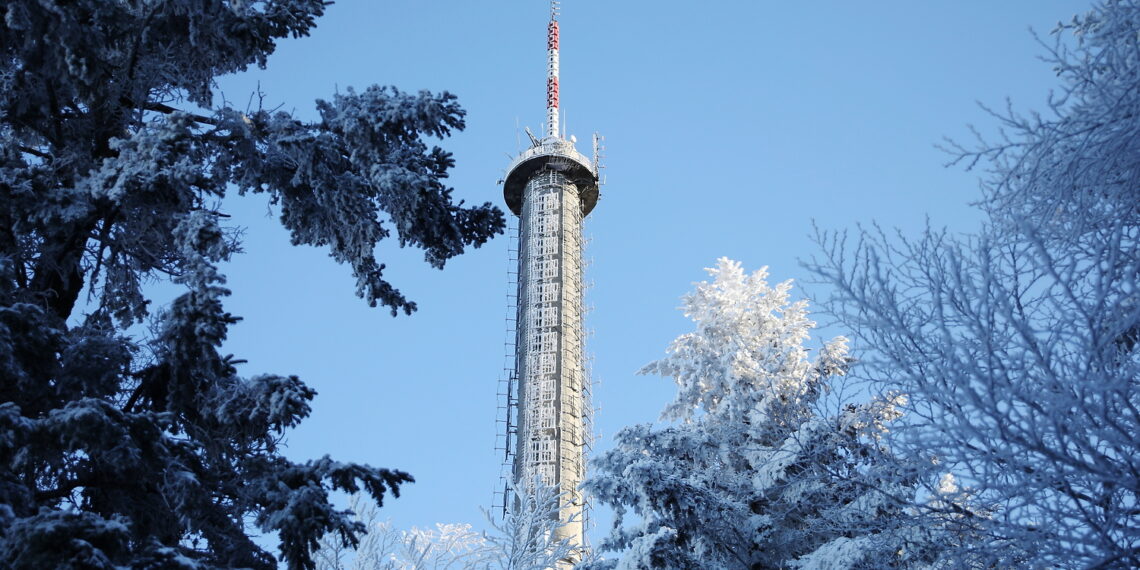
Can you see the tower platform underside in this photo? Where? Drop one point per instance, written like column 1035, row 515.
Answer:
column 557, row 155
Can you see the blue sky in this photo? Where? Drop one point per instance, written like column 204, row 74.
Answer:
column 730, row 127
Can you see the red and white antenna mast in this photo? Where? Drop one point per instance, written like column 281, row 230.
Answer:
column 552, row 72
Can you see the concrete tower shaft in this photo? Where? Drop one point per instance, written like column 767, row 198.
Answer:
column 551, row 424
column 558, row 188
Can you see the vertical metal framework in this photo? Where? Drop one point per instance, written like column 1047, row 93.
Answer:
column 507, row 414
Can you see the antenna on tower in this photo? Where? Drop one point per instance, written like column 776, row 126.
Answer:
column 552, row 72
column 599, row 154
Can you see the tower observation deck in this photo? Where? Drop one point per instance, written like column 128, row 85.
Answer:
column 551, row 187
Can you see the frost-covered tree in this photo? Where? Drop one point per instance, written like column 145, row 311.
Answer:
column 386, row 547
column 760, row 466
column 522, row 539
column 1019, row 345
column 151, row 451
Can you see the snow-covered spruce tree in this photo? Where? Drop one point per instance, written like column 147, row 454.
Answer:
column 153, row 452
column 1020, row 344
column 756, row 474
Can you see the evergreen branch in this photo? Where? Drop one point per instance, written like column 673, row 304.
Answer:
column 34, row 152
